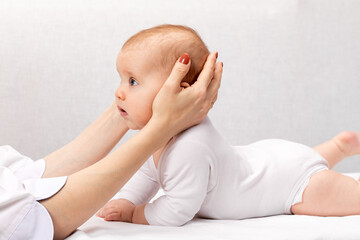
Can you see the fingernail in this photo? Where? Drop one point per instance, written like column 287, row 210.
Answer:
column 222, row 64
column 185, row 58
column 216, row 54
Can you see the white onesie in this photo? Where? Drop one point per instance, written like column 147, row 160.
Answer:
column 202, row 174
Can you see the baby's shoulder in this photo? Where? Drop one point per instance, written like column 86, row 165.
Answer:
column 191, row 147
column 204, row 133
column 186, row 157
column 196, row 138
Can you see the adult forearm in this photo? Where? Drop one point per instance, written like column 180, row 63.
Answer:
column 93, row 144
column 89, row 189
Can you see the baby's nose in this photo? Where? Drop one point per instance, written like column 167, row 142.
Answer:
column 119, row 93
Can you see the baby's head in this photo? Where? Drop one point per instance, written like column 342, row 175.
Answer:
column 144, row 63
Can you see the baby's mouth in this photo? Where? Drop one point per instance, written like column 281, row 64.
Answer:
column 122, row 111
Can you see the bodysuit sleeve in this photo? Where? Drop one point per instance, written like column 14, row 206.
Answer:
column 142, row 187
column 185, row 172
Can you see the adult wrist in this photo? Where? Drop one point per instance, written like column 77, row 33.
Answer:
column 161, row 127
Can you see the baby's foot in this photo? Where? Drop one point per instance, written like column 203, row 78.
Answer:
column 348, row 143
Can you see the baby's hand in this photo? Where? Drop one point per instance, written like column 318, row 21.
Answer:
column 117, row 210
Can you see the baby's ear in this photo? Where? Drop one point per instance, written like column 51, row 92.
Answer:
column 184, row 84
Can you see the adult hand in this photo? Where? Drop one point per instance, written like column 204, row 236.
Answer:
column 179, row 108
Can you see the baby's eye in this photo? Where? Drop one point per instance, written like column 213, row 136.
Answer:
column 132, row 82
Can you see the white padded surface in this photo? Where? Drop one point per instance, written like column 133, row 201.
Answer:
column 276, row 227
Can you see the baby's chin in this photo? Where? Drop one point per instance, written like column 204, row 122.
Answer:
column 134, row 126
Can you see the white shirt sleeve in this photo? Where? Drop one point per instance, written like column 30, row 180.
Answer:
column 27, row 174
column 185, row 172
column 142, row 187
column 21, row 186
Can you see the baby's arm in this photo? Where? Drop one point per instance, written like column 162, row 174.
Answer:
column 140, row 189
column 186, row 178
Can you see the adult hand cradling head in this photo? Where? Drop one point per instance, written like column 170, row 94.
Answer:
column 179, row 108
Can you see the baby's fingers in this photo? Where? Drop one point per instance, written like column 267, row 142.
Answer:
column 105, row 211
column 113, row 217
column 100, row 213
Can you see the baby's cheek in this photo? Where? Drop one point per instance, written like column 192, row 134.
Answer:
column 147, row 113
column 146, row 118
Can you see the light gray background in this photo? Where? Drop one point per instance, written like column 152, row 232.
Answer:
column 291, row 68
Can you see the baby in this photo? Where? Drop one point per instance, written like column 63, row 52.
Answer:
column 200, row 172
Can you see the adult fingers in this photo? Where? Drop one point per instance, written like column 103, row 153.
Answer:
column 213, row 101
column 179, row 71
column 215, row 82
column 207, row 72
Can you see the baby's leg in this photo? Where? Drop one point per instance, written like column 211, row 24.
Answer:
column 330, row 194
column 343, row 145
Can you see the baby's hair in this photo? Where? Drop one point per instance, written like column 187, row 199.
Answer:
column 172, row 41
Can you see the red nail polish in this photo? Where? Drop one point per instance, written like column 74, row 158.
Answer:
column 222, row 64
column 216, row 54
column 185, row 58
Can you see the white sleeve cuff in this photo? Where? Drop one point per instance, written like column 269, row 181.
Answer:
column 42, row 188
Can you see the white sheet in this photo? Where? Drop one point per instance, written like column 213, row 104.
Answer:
column 274, row 227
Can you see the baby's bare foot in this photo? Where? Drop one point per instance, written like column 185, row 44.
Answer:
column 348, row 142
